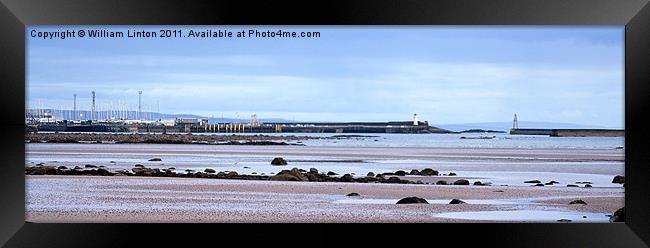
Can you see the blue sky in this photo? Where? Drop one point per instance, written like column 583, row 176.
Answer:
column 446, row 74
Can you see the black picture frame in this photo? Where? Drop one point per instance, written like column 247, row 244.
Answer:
column 15, row 15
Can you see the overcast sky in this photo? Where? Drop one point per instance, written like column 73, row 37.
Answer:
column 445, row 74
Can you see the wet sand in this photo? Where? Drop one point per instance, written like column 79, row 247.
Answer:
column 147, row 199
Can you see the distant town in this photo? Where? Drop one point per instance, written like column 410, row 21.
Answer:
column 118, row 118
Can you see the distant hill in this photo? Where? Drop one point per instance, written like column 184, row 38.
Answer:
column 506, row 126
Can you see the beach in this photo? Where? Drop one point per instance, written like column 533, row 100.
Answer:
column 505, row 198
column 139, row 199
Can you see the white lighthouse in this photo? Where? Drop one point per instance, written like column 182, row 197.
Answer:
column 415, row 119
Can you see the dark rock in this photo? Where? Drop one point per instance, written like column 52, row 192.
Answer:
column 414, row 172
column 618, row 216
column 400, row 173
column 429, row 172
column 370, row 174
column 284, row 177
column 563, row 220
column 379, row 175
column 539, row 184
column 553, row 182
column 41, row 170
column 246, row 167
column 289, row 175
column 90, row 166
column 578, row 202
column 393, row 180
column 112, row 162
column 313, row 171
column 572, row 185
column 352, row 194
column 208, row 170
column 123, row 173
column 232, row 174
column 533, row 181
column 479, row 183
column 588, row 186
column 456, row 201
column 138, row 171
column 461, row 182
column 619, row 179
column 77, row 168
column 586, row 182
column 171, row 168
column 221, row 174
column 104, row 172
column 330, row 173
column 297, row 173
column 347, row 178
column 139, row 166
column 155, row 159
column 411, row 200
column 441, row 182
column 548, row 183
column 62, row 168
column 279, row 161
column 452, row 174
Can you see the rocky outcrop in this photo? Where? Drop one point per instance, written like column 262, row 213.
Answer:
column 400, row 173
column 441, row 182
column 294, row 174
column 412, row 200
column 457, row 201
column 279, row 161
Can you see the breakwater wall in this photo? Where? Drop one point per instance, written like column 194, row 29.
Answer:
column 569, row 132
column 349, row 127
